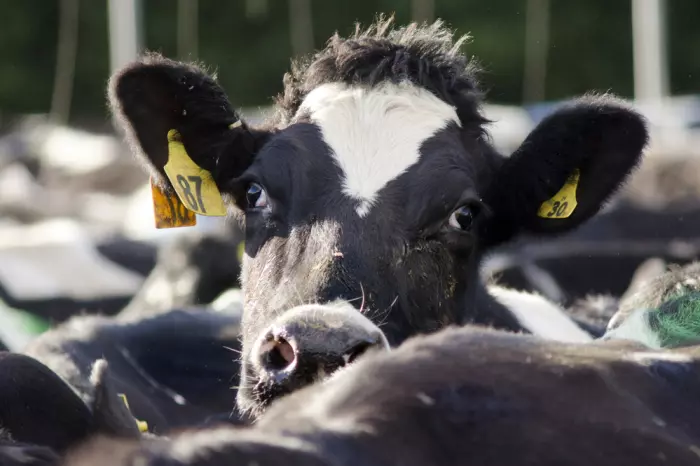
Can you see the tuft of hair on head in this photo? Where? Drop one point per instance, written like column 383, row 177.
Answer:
column 427, row 55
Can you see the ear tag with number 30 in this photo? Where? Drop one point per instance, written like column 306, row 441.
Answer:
column 563, row 203
column 194, row 185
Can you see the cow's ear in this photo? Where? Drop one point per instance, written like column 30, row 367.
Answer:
column 110, row 410
column 565, row 170
column 156, row 100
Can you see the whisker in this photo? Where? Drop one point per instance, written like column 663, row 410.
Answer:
column 384, row 315
column 233, row 350
column 362, row 306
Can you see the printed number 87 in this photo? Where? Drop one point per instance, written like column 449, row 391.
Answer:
column 194, row 202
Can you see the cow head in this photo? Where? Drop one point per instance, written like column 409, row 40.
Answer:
column 369, row 200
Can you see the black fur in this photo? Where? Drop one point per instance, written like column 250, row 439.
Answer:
column 189, row 355
column 465, row 396
column 157, row 94
column 26, row 454
column 428, row 56
column 600, row 135
column 41, row 416
column 36, row 406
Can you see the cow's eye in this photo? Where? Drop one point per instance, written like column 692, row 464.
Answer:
column 256, row 196
column 462, row 218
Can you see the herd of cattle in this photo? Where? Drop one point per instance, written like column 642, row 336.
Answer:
column 410, row 295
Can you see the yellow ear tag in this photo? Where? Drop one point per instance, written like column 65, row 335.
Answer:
column 142, row 425
column 194, row 185
column 169, row 211
column 563, row 204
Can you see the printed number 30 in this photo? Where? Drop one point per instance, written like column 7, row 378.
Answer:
column 558, row 209
column 194, row 202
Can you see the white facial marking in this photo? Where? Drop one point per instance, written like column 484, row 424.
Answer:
column 375, row 133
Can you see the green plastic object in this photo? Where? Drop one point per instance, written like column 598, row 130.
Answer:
column 677, row 321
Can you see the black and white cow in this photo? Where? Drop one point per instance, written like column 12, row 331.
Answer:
column 371, row 198
column 463, row 396
column 601, row 256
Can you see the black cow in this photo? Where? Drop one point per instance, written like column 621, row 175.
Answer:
column 365, row 408
column 464, row 396
column 375, row 187
column 42, row 417
column 176, row 368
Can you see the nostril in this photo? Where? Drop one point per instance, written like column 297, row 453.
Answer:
column 277, row 353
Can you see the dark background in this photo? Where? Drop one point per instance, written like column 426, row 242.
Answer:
column 248, row 41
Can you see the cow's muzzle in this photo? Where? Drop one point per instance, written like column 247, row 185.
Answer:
column 308, row 343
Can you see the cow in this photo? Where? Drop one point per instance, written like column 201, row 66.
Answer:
column 42, row 416
column 601, row 256
column 371, row 197
column 24, row 454
column 656, row 214
column 180, row 368
column 435, row 391
column 594, row 312
column 467, row 395
column 175, row 368
column 664, row 312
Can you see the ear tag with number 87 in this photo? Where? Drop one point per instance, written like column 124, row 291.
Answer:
column 168, row 211
column 563, row 203
column 194, row 185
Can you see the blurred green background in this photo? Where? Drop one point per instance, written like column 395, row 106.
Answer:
column 248, row 41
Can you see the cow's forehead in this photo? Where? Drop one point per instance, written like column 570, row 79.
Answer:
column 375, row 133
